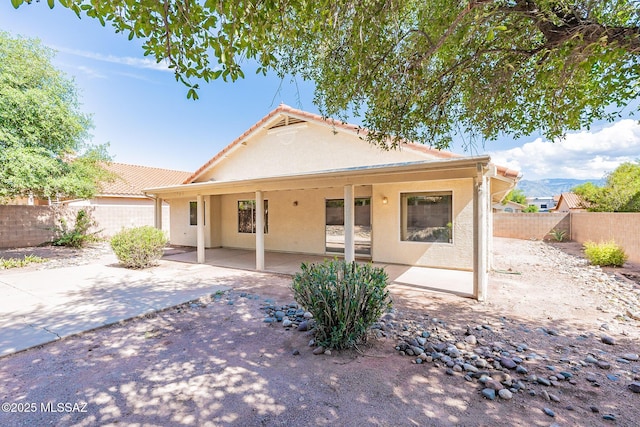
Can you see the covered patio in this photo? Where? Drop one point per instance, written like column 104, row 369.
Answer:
column 417, row 278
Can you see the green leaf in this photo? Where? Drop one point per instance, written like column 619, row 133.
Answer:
column 41, row 124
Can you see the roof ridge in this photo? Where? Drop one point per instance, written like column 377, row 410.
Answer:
column 146, row 167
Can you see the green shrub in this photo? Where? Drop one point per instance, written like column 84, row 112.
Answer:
column 79, row 235
column 139, row 247
column 604, row 254
column 344, row 298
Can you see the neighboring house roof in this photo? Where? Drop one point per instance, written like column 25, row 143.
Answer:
column 285, row 115
column 509, row 204
column 132, row 179
column 571, row 201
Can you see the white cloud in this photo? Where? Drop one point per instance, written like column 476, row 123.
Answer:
column 91, row 73
column 582, row 155
column 144, row 63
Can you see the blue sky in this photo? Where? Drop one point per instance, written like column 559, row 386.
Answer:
column 142, row 112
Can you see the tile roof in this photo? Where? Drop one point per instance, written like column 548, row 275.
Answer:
column 300, row 114
column 572, row 200
column 132, row 179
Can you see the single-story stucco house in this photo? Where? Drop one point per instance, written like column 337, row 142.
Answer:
column 508, row 207
column 121, row 203
column 296, row 182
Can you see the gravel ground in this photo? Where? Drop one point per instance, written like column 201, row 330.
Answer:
column 556, row 344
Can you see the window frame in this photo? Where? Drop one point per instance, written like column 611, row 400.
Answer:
column 444, row 232
column 193, row 213
column 252, row 203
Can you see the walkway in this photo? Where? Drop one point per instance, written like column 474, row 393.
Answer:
column 40, row 306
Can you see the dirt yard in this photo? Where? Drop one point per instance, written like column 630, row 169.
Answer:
column 557, row 341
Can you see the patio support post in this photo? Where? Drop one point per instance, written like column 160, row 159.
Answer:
column 480, row 237
column 157, row 210
column 200, row 227
column 259, row 230
column 349, row 224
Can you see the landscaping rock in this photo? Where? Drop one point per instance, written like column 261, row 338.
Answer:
column 608, row 340
column 489, row 393
column 505, row 394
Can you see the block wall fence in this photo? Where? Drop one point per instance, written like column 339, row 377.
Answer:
column 22, row 226
column 581, row 227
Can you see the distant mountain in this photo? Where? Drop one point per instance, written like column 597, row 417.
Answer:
column 553, row 186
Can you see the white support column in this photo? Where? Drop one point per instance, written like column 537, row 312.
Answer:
column 259, row 231
column 200, row 228
column 490, row 261
column 480, row 237
column 157, row 210
column 349, row 224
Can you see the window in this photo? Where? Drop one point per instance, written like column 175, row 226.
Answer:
column 247, row 216
column 426, row 217
column 193, row 213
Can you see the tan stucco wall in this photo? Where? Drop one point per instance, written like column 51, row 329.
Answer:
column 301, row 228
column 180, row 231
column 302, row 148
column 387, row 245
column 292, row 228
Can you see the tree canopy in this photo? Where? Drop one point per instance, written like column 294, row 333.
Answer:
column 621, row 192
column 517, row 196
column 42, row 131
column 414, row 70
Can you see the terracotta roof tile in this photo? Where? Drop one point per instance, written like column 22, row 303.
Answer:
column 573, row 201
column 132, row 179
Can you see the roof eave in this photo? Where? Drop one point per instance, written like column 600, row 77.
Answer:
column 398, row 168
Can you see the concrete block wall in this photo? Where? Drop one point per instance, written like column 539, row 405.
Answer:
column 581, row 227
column 25, row 225
column 529, row 225
column 22, row 226
column 113, row 218
column 622, row 228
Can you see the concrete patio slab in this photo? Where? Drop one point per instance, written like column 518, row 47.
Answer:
column 420, row 278
column 44, row 305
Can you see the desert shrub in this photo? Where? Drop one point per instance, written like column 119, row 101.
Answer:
column 78, row 235
column 558, row 235
column 139, row 247
column 604, row 254
column 344, row 298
